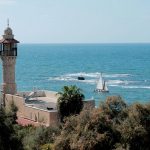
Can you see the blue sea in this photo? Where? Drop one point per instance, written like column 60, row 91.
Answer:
column 125, row 67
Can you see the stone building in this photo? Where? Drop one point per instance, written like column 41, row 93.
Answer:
column 39, row 106
column 34, row 107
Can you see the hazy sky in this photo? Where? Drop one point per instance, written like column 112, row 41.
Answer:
column 77, row 21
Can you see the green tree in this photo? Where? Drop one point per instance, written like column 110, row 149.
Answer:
column 4, row 131
column 135, row 128
column 70, row 101
column 88, row 131
column 114, row 125
column 115, row 108
column 8, row 135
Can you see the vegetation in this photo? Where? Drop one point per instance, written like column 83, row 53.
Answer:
column 16, row 137
column 113, row 126
column 70, row 101
column 8, row 135
column 40, row 137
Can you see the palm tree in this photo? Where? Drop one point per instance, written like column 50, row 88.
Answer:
column 70, row 101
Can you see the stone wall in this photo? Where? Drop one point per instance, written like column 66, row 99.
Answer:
column 39, row 93
column 19, row 102
column 41, row 116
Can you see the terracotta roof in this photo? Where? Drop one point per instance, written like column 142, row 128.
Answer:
column 9, row 41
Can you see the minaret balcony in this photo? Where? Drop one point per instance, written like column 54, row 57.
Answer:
column 12, row 52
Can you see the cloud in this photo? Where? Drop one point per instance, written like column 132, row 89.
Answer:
column 7, row 2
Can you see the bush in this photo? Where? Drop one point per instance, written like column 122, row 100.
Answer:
column 37, row 137
column 47, row 147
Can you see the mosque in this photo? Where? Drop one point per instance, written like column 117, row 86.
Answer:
column 34, row 107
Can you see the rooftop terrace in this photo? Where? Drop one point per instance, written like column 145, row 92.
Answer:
column 45, row 100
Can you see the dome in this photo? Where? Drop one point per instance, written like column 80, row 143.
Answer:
column 8, row 31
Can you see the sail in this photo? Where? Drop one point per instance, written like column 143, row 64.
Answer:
column 105, row 88
column 100, row 83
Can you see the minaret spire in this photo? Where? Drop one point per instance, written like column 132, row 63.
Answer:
column 8, row 22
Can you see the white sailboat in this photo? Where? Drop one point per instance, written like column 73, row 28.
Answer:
column 101, row 85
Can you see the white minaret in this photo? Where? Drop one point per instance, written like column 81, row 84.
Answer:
column 8, row 54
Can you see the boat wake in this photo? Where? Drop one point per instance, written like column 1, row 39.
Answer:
column 97, row 74
column 71, row 79
column 94, row 75
column 114, row 80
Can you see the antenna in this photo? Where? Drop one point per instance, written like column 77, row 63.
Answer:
column 8, row 22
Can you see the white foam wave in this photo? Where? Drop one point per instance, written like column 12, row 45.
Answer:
column 116, row 75
column 91, row 78
column 136, row 87
column 88, row 81
column 115, row 82
column 113, row 85
column 96, row 74
column 126, row 82
column 63, row 78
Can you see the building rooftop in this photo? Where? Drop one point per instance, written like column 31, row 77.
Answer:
column 45, row 100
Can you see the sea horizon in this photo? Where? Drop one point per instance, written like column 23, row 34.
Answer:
column 86, row 43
